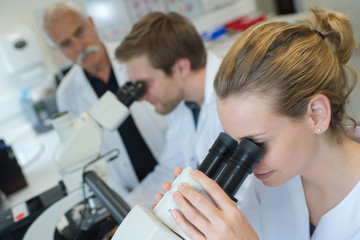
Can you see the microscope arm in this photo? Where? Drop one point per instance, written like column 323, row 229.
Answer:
column 117, row 207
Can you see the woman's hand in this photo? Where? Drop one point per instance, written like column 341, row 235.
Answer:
column 200, row 219
column 166, row 186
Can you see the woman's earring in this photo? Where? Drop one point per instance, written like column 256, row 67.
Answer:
column 320, row 129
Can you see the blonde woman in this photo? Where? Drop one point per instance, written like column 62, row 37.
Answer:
column 285, row 86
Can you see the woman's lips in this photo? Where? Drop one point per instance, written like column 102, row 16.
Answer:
column 263, row 176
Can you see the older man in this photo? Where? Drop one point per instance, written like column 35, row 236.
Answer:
column 141, row 137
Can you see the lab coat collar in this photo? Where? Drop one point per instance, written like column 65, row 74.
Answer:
column 82, row 85
column 212, row 65
column 116, row 65
column 331, row 226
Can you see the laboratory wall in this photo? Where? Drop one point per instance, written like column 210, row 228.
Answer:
column 15, row 15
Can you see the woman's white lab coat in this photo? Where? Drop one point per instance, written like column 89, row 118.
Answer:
column 76, row 95
column 281, row 213
column 186, row 145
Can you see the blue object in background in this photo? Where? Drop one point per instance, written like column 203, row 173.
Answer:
column 214, row 34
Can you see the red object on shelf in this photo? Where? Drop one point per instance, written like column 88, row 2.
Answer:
column 19, row 216
column 241, row 24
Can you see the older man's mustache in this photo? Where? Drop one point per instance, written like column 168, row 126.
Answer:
column 86, row 52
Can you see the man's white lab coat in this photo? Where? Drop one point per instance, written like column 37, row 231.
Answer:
column 186, row 145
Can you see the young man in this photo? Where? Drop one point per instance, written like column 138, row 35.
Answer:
column 165, row 52
column 141, row 137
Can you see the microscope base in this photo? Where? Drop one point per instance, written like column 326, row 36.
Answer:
column 142, row 224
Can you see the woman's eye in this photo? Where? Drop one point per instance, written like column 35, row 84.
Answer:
column 259, row 143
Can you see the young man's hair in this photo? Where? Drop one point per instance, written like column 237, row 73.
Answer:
column 164, row 38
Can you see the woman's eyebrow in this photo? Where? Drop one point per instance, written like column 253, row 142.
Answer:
column 251, row 136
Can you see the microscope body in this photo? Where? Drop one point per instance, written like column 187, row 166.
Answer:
column 142, row 224
column 74, row 149
column 81, row 138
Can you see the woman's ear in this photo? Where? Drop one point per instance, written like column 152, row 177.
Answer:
column 320, row 113
column 182, row 67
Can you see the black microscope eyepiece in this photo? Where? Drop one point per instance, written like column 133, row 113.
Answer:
column 219, row 153
column 240, row 165
column 130, row 92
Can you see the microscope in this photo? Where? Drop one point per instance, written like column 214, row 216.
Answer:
column 78, row 159
column 228, row 163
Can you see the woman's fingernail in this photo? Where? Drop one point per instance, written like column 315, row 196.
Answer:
column 175, row 195
column 193, row 171
column 174, row 214
column 181, row 186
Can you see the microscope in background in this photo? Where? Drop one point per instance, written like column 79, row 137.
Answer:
column 78, row 159
column 227, row 162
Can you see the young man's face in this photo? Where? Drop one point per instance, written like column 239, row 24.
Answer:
column 163, row 91
column 76, row 38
